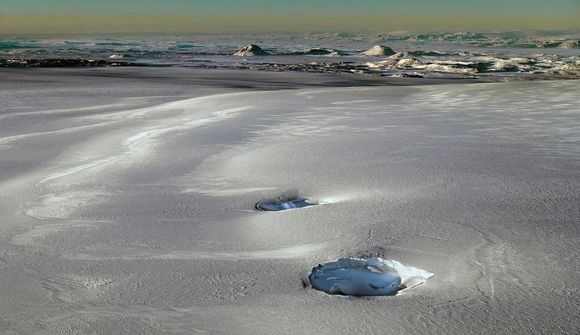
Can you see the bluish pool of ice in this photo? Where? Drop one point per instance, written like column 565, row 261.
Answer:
column 288, row 200
column 365, row 277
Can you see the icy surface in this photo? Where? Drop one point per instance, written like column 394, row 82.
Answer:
column 127, row 194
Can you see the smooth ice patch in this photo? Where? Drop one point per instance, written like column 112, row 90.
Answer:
column 288, row 200
column 365, row 277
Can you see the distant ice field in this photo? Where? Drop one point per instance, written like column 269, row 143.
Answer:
column 435, row 55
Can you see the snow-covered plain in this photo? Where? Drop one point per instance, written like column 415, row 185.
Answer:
column 127, row 202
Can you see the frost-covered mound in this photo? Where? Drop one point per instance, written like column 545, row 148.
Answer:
column 365, row 277
column 251, row 50
column 566, row 70
column 570, row 44
column 400, row 60
column 379, row 50
column 472, row 64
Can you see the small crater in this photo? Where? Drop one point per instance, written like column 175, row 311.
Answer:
column 365, row 277
column 284, row 201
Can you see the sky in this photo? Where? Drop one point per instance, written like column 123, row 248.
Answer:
column 202, row 16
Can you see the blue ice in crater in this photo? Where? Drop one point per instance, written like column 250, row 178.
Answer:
column 365, row 277
column 288, row 200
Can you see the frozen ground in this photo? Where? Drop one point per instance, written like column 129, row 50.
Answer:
column 127, row 202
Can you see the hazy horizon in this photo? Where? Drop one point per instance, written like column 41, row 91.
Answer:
column 223, row 16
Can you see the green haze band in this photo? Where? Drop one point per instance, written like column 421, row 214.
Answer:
column 83, row 16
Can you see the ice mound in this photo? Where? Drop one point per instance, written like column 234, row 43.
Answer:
column 400, row 60
column 365, row 277
column 322, row 52
column 570, row 44
column 471, row 65
column 408, row 63
column 379, row 50
column 250, row 50
column 514, row 64
column 566, row 44
column 431, row 53
column 284, row 201
column 317, row 52
column 548, row 44
column 451, row 68
column 568, row 70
